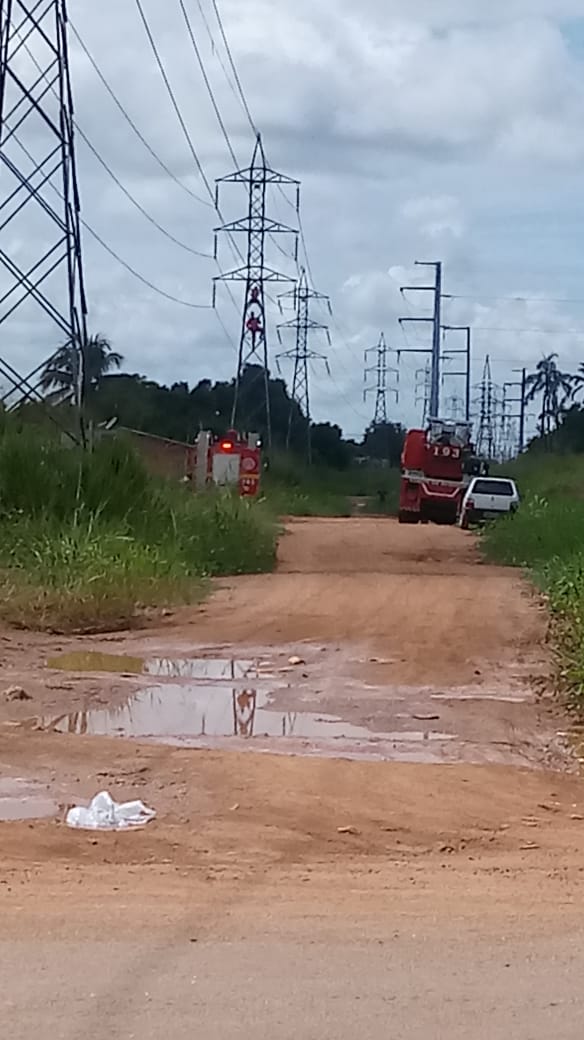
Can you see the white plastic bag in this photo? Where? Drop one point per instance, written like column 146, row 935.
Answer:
column 104, row 814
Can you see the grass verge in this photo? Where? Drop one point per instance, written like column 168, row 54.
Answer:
column 546, row 538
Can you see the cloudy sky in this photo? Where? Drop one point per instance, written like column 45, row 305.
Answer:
column 455, row 133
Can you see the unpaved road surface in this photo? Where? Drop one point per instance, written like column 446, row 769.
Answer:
column 404, row 858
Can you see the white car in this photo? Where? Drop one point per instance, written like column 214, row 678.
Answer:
column 487, row 498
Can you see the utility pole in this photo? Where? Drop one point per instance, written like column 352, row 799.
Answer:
column 302, row 296
column 468, row 367
column 254, row 273
column 381, row 370
column 436, row 321
column 521, row 385
column 41, row 251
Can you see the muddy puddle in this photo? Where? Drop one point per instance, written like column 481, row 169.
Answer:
column 23, row 800
column 271, row 699
column 162, row 667
column 189, row 712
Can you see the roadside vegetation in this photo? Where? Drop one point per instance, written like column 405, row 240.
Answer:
column 546, row 537
column 90, row 541
column 93, row 541
column 293, row 489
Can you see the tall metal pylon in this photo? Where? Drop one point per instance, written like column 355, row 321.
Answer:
column 253, row 342
column 381, row 370
column 455, row 407
column 486, row 441
column 302, row 296
column 41, row 252
column 422, row 389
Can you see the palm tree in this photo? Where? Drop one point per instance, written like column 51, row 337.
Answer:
column 555, row 387
column 578, row 380
column 61, row 371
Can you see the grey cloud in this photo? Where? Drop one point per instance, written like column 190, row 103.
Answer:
column 385, row 119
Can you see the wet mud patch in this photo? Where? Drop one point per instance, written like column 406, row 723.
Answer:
column 22, row 799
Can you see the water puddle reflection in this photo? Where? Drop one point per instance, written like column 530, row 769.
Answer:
column 213, row 668
column 190, row 712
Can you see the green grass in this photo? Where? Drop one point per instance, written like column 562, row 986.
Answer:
column 92, row 542
column 291, row 489
column 546, row 537
column 88, row 542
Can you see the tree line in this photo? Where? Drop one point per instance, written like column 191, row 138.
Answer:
column 178, row 411
column 560, row 422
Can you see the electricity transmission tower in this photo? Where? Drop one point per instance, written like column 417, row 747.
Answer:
column 302, row 296
column 436, row 322
column 486, row 432
column 422, row 389
column 254, row 273
column 40, row 252
column 380, row 370
column 455, row 407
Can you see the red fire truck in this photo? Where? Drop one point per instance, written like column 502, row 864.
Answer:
column 436, row 466
column 229, row 461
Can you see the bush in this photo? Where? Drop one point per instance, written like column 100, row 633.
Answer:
column 86, row 540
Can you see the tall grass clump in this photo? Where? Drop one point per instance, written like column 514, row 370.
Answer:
column 89, row 540
column 546, row 538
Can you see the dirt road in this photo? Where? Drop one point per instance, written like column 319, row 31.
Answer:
column 409, row 859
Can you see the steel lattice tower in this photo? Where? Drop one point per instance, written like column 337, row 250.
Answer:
column 422, row 389
column 381, row 370
column 253, row 343
column 486, row 433
column 40, row 252
column 302, row 296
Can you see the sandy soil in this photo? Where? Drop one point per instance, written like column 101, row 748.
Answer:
column 263, row 855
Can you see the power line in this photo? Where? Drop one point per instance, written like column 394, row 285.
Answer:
column 152, row 220
column 234, row 67
column 172, row 97
column 141, row 278
column 131, row 122
column 235, row 249
column 112, row 252
column 114, row 177
column 240, row 93
column 216, row 53
column 512, row 299
column 549, row 332
column 207, row 81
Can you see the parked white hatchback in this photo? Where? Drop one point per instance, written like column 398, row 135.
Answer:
column 488, row 498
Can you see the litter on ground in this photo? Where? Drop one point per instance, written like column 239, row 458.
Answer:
column 103, row 813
